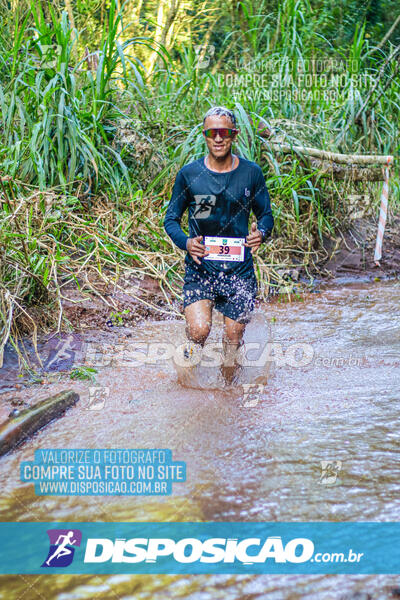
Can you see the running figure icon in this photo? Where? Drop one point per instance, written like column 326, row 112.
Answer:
column 62, row 549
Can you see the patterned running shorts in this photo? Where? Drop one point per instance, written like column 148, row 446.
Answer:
column 233, row 296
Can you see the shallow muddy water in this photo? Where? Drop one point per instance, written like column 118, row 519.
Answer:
column 249, row 458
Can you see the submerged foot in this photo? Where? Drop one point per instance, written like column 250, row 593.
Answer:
column 185, row 360
column 231, row 375
column 231, row 367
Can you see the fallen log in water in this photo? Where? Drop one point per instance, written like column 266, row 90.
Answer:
column 20, row 427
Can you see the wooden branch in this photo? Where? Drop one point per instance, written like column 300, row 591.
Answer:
column 387, row 36
column 359, row 159
column 340, row 172
column 355, row 173
column 348, row 159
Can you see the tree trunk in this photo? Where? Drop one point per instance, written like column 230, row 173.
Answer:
column 163, row 28
column 157, row 35
column 68, row 6
column 138, row 10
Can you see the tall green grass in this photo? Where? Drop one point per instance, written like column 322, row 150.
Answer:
column 60, row 117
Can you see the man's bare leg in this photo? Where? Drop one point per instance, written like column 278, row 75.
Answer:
column 231, row 340
column 198, row 325
column 198, row 321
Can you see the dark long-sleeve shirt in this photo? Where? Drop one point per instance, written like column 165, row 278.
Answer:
column 219, row 204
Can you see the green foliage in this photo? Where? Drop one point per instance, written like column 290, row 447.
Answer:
column 83, row 374
column 60, row 117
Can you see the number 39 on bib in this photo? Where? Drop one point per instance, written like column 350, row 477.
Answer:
column 221, row 248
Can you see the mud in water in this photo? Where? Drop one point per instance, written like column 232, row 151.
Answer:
column 260, row 457
column 203, row 370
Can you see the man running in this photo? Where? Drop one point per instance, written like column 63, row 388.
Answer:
column 219, row 190
column 62, row 549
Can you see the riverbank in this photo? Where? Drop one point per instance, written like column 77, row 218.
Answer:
column 354, row 254
column 349, row 257
column 114, row 306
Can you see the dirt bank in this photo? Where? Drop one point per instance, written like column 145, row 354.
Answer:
column 96, row 308
column 349, row 255
column 110, row 307
column 353, row 253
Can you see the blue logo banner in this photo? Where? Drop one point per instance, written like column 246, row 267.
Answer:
column 191, row 548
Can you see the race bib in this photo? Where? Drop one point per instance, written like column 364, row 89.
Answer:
column 224, row 248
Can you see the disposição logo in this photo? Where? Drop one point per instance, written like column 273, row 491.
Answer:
column 61, row 551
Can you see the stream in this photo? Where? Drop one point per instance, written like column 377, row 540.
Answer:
column 316, row 442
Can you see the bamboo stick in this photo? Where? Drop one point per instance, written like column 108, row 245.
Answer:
column 348, row 159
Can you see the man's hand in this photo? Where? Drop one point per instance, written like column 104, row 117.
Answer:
column 254, row 238
column 196, row 248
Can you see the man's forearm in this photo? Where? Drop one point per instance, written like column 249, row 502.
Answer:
column 174, row 230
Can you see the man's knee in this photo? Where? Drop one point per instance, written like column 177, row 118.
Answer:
column 198, row 331
column 233, row 332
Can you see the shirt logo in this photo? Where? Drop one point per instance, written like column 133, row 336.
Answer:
column 246, row 192
column 204, row 205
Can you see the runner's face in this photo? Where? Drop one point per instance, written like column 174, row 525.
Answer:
column 218, row 147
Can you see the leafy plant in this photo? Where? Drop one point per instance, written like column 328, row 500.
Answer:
column 83, row 373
